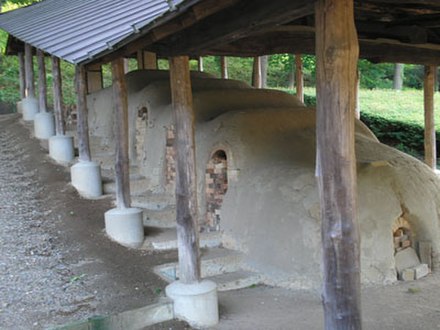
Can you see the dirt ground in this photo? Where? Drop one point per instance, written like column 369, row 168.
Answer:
column 57, row 266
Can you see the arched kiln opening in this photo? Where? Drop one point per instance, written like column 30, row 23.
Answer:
column 216, row 182
column 402, row 235
column 141, row 131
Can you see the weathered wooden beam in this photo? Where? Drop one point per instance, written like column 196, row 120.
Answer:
column 223, row 67
column 42, row 85
column 146, row 60
column 430, row 138
column 256, row 72
column 22, row 75
column 94, row 78
column 337, row 54
column 60, row 128
column 122, row 168
column 186, row 189
column 244, row 18
column 29, row 69
column 82, row 125
column 299, row 77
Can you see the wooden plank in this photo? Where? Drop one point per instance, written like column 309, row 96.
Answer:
column 256, row 72
column 430, row 139
column 299, row 77
column 122, row 165
column 42, row 85
column 186, row 190
column 29, row 69
column 425, row 253
column 223, row 67
column 60, row 127
column 337, row 55
column 22, row 75
column 146, row 60
column 82, row 125
column 94, row 78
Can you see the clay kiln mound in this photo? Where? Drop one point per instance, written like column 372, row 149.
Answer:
column 270, row 208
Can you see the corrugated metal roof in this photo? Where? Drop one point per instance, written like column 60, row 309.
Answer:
column 77, row 30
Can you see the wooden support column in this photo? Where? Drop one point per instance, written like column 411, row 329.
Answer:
column 256, row 72
column 186, row 190
column 200, row 64
column 94, row 78
column 122, row 167
column 357, row 111
column 224, row 67
column 22, row 75
column 42, row 85
column 146, row 60
column 60, row 128
column 29, row 69
column 299, row 77
column 337, row 52
column 430, row 139
column 82, row 125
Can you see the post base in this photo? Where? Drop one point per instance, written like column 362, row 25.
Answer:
column 30, row 108
column 61, row 148
column 44, row 125
column 19, row 107
column 195, row 303
column 86, row 178
column 125, row 226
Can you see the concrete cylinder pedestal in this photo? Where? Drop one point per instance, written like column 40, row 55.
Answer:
column 44, row 125
column 125, row 226
column 19, row 107
column 61, row 148
column 86, row 178
column 30, row 108
column 195, row 303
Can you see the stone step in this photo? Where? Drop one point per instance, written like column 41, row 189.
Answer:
column 162, row 218
column 214, row 261
column 166, row 239
column 138, row 185
column 239, row 279
column 153, row 201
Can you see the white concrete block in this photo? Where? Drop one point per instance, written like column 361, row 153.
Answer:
column 19, row 107
column 61, row 148
column 30, row 108
column 195, row 303
column 407, row 274
column 421, row 271
column 406, row 259
column 125, row 226
column 86, row 178
column 44, row 125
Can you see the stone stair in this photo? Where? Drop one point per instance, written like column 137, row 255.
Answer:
column 222, row 266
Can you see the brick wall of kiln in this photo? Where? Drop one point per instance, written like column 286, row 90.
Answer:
column 216, row 185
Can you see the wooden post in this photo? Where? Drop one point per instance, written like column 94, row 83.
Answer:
column 22, row 75
column 256, row 72
column 186, row 190
column 224, row 67
column 122, row 165
column 94, row 78
column 29, row 69
column 337, row 52
column 264, row 65
column 357, row 111
column 146, row 60
column 430, row 140
column 200, row 64
column 82, row 125
column 60, row 128
column 126, row 65
column 42, row 86
column 299, row 78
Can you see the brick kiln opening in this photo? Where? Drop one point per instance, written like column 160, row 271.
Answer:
column 408, row 265
column 216, row 181
column 170, row 158
column 141, row 131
